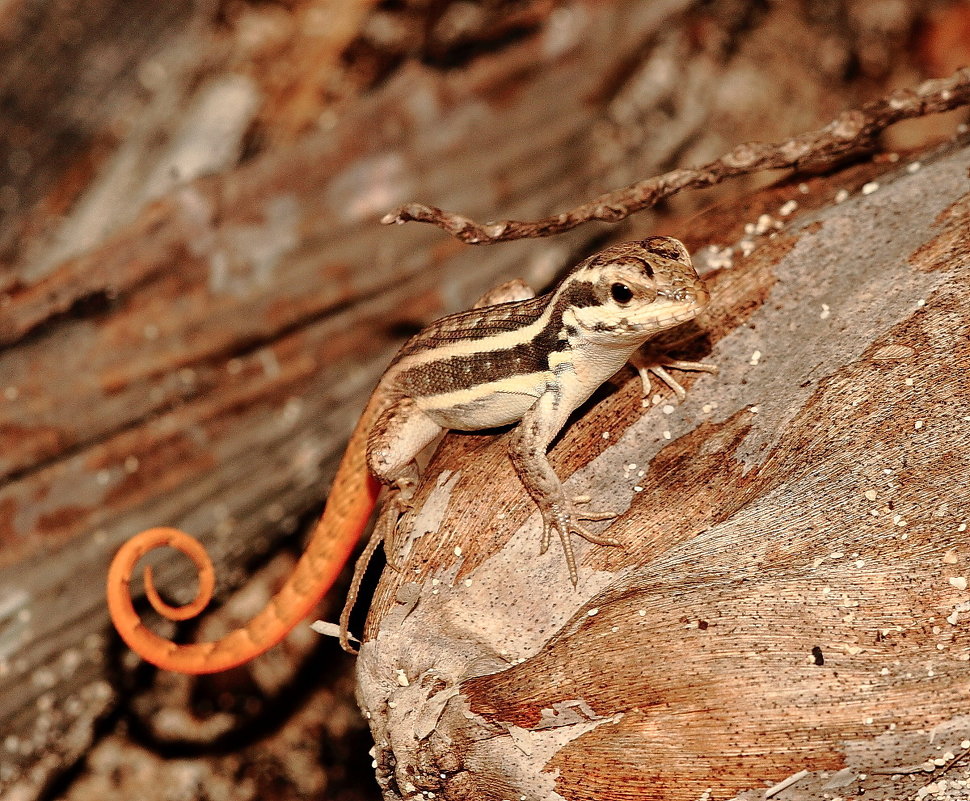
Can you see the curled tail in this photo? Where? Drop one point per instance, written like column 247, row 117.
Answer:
column 349, row 505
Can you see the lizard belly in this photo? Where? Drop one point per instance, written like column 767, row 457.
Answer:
column 489, row 405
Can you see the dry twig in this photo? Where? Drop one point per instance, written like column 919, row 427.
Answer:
column 851, row 132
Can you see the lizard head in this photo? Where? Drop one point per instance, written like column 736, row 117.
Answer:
column 627, row 293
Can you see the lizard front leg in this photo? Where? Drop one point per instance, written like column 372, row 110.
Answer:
column 656, row 363
column 530, row 441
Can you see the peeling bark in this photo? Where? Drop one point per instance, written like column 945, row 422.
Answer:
column 791, row 593
column 196, row 295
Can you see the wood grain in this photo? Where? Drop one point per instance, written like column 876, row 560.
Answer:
column 196, row 295
column 791, row 593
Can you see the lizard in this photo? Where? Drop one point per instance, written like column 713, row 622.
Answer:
column 515, row 358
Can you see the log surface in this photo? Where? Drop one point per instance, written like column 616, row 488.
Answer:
column 791, row 592
column 196, row 296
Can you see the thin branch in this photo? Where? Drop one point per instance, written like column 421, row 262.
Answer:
column 851, row 132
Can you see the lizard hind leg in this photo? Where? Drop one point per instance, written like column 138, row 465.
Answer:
column 384, row 530
column 399, row 503
column 396, row 438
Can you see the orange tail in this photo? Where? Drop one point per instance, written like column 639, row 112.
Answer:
column 351, row 501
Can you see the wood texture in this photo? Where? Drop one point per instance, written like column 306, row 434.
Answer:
column 196, row 296
column 792, row 589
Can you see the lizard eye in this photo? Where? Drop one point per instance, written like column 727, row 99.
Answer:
column 621, row 293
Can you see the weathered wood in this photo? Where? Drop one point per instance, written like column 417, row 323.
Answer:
column 195, row 295
column 792, row 589
column 201, row 364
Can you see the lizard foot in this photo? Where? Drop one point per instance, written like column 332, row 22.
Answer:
column 645, row 364
column 563, row 520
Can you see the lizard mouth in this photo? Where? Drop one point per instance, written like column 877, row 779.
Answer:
column 672, row 306
column 664, row 312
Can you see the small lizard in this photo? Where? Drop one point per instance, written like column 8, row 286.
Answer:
column 529, row 360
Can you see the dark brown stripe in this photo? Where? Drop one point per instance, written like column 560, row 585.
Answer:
column 578, row 294
column 461, row 372
column 476, row 324
column 663, row 247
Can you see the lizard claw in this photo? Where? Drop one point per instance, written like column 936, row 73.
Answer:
column 563, row 522
column 645, row 364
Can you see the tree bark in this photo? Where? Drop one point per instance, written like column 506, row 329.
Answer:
column 791, row 592
column 196, row 295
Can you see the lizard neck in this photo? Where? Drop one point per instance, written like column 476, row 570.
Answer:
column 593, row 361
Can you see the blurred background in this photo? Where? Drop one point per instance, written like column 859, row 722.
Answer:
column 196, row 297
